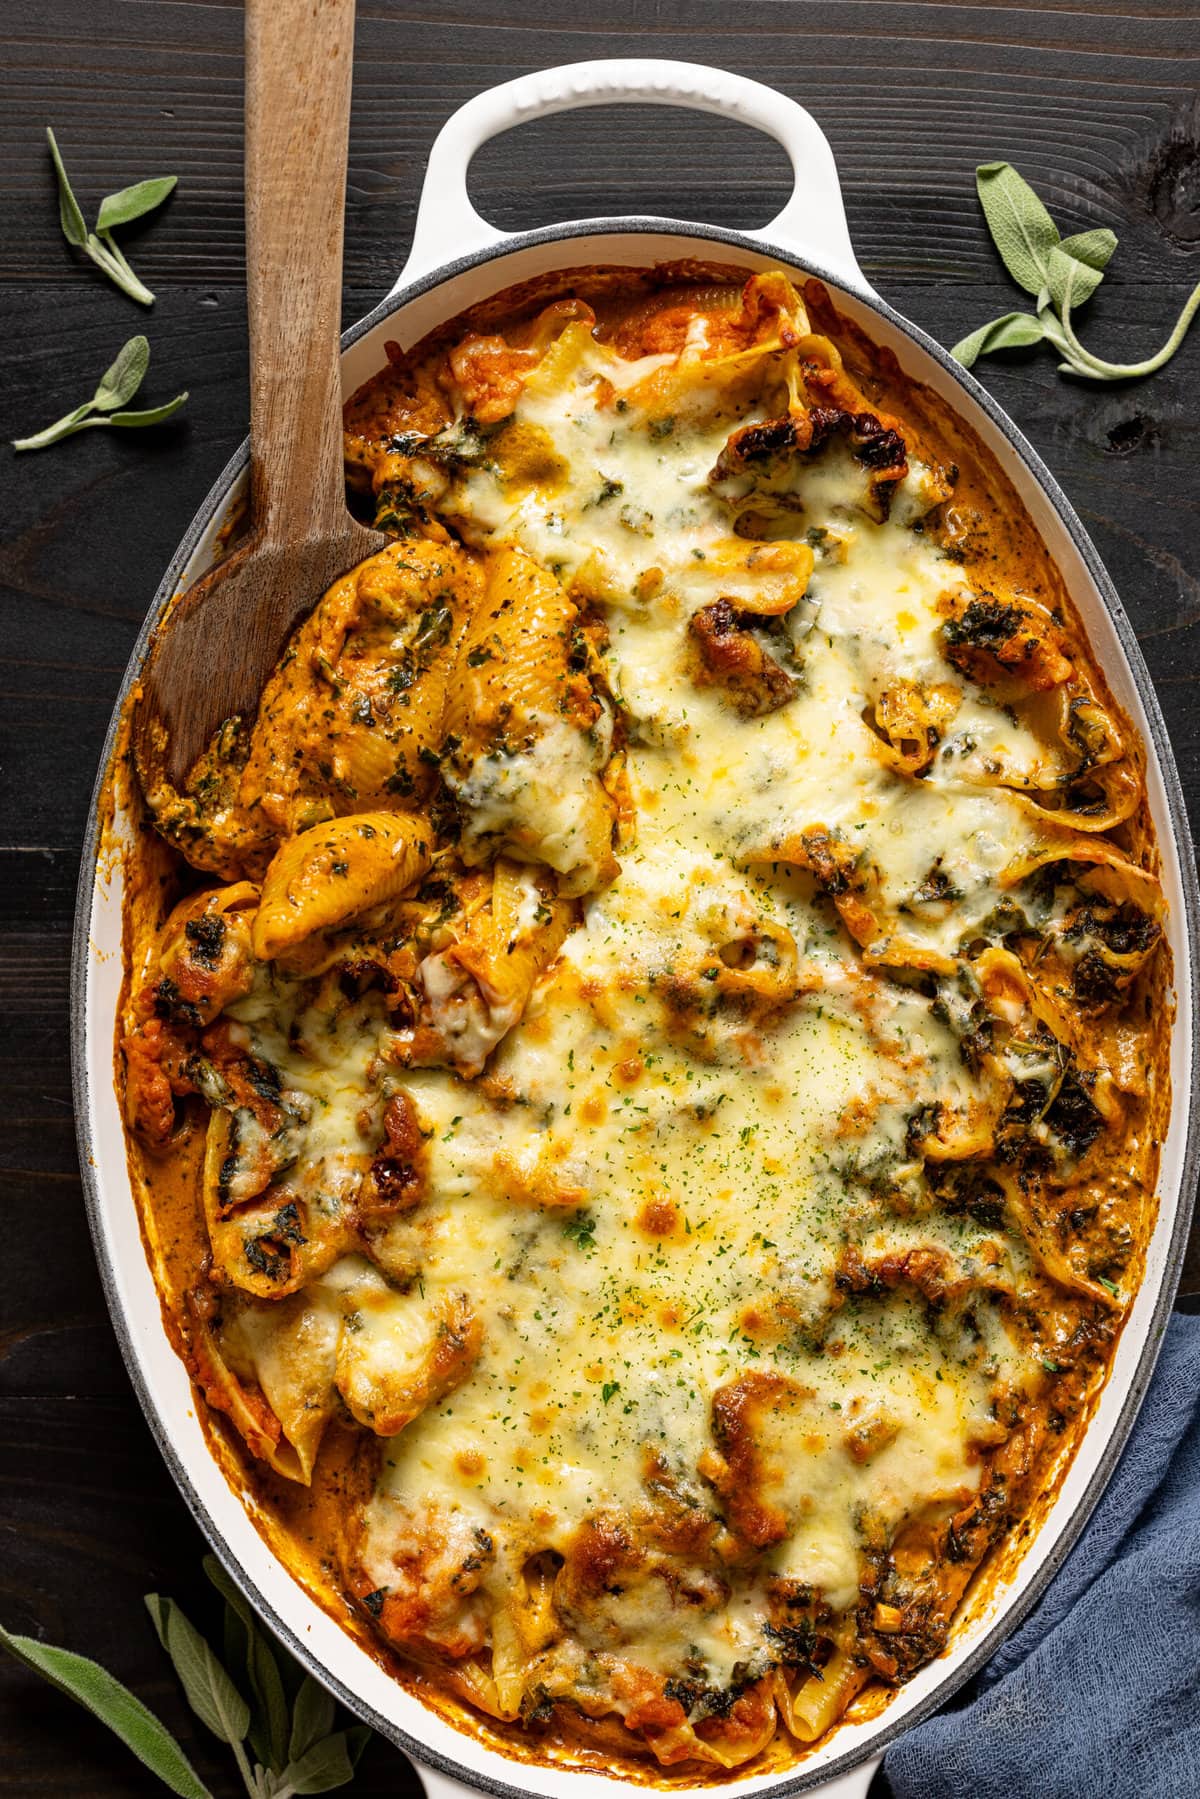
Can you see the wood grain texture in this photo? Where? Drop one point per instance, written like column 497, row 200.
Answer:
column 1094, row 99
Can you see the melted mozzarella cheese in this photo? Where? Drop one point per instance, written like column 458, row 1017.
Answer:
column 659, row 1202
column 694, row 1193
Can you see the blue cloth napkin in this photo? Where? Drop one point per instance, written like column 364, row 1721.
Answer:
column 1098, row 1692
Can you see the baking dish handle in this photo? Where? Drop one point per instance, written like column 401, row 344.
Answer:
column 812, row 224
column 848, row 1786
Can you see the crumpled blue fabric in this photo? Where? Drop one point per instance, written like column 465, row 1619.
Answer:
column 1098, row 1692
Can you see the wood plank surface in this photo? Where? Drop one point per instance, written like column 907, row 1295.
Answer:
column 1095, row 100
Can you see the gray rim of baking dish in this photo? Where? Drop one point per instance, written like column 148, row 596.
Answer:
column 1013, row 1614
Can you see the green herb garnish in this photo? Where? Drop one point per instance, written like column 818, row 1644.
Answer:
column 1060, row 272
column 107, row 405
column 115, row 209
column 581, row 1229
column 282, row 1746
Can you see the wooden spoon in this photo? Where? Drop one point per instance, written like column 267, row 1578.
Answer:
column 212, row 653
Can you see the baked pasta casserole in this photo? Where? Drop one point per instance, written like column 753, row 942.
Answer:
column 644, row 1060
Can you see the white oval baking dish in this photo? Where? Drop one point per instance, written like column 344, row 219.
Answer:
column 458, row 259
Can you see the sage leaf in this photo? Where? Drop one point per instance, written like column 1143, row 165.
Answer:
column 328, row 1764
column 206, row 1685
column 269, row 1732
column 83, row 418
column 133, row 202
column 119, row 383
column 1095, row 368
column 1056, row 336
column 106, row 1698
column 116, row 209
column 1021, row 228
column 1093, row 247
column 234, row 1644
column 1052, row 330
column 312, row 1717
column 52, row 434
column 1083, row 277
column 153, row 415
column 1062, row 273
column 1014, row 331
column 106, row 256
column 70, row 217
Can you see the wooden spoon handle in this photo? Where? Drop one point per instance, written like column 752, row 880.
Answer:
column 299, row 58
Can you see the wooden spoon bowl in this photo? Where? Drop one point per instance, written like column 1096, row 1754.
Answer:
column 218, row 642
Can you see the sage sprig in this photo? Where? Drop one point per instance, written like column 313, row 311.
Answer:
column 115, row 209
column 109, row 404
column 282, row 1734
column 100, row 1693
column 1062, row 273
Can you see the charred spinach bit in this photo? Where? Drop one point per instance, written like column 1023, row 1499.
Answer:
column 463, row 444
column 989, row 1515
column 484, row 1548
column 969, row 1192
column 265, row 1079
column 958, row 1005
column 1096, row 982
column 1006, row 919
column 211, row 1086
column 395, row 513
column 1112, row 1256
column 1072, row 1116
column 433, row 630
column 608, row 490
column 1125, row 930
column 170, row 1005
column 287, row 1224
column 798, row 1646
column 265, row 1259
column 207, row 936
column 1087, row 729
column 227, row 1175
column 407, row 443
column 924, row 1122
column 984, row 624
column 937, row 885
column 700, row 1700
column 876, row 446
column 537, row 1706
column 438, row 890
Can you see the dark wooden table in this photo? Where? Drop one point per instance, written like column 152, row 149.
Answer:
column 1093, row 99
